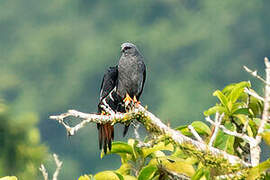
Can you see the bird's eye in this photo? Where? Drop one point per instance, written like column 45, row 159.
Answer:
column 127, row 47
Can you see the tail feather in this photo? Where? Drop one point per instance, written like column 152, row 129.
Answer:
column 106, row 135
column 100, row 136
column 125, row 130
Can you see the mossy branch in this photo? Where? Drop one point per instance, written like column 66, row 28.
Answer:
column 154, row 125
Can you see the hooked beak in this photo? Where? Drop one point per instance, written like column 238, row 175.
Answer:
column 122, row 49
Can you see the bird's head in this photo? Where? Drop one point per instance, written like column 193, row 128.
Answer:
column 129, row 49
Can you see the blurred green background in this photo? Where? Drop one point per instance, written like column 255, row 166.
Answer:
column 53, row 55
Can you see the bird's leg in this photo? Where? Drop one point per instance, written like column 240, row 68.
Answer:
column 135, row 101
column 127, row 100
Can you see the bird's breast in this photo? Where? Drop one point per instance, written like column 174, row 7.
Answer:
column 130, row 77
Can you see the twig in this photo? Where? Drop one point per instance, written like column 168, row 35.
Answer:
column 236, row 175
column 172, row 175
column 152, row 124
column 254, row 73
column 57, row 170
column 254, row 94
column 255, row 149
column 136, row 126
column 195, row 134
column 87, row 118
column 245, row 137
column 58, row 166
column 44, row 172
column 218, row 119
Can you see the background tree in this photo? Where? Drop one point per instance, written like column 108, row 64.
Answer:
column 21, row 150
column 190, row 47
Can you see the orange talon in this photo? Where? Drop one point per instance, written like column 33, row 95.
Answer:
column 136, row 102
column 127, row 99
column 135, row 99
column 103, row 113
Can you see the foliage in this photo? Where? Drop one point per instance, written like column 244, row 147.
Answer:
column 162, row 158
column 9, row 178
column 241, row 112
column 53, row 55
column 21, row 150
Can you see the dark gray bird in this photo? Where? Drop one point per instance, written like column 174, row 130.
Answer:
column 121, row 85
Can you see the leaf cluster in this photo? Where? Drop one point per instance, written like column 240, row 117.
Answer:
column 160, row 158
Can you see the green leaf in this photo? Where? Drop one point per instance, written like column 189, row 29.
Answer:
column 135, row 150
column 256, row 106
column 119, row 175
column 121, row 147
column 243, row 119
column 108, row 175
column 147, row 172
column 257, row 170
column 258, row 121
column 201, row 173
column 237, row 90
column 198, row 175
column 266, row 137
column 184, row 130
column 201, row 128
column 244, row 111
column 158, row 147
column 222, row 98
column 178, row 165
column 86, row 177
column 124, row 169
column 9, row 178
column 224, row 141
column 214, row 109
column 128, row 177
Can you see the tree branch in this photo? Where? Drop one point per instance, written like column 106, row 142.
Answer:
column 44, row 172
column 152, row 125
column 245, row 137
column 58, row 166
column 254, row 73
column 218, row 119
column 255, row 149
column 195, row 134
column 254, row 94
column 57, row 170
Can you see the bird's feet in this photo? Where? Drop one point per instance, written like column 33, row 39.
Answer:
column 127, row 100
column 136, row 102
column 131, row 103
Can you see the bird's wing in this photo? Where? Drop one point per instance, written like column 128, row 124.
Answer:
column 144, row 77
column 109, row 82
column 106, row 131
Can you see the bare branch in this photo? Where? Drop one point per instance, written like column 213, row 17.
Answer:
column 58, row 166
column 57, row 170
column 87, row 119
column 195, row 134
column 255, row 149
column 245, row 137
column 254, row 94
column 236, row 175
column 217, row 123
column 172, row 175
column 44, row 172
column 152, row 124
column 254, row 73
